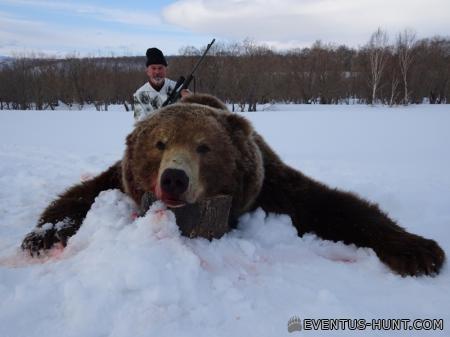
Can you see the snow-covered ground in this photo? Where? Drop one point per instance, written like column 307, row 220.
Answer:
column 122, row 277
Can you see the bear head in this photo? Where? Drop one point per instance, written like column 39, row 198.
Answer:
column 190, row 151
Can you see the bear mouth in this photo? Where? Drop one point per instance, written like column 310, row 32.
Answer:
column 173, row 203
column 169, row 200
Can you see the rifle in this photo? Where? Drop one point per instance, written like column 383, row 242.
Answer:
column 183, row 83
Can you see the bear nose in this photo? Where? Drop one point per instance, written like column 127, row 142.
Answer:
column 174, row 182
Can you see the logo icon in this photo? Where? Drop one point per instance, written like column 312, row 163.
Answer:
column 294, row 324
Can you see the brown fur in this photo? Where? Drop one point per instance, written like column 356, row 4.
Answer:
column 222, row 154
column 204, row 99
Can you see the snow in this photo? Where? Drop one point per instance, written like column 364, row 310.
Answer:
column 126, row 276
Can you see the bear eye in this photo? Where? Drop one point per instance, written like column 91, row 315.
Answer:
column 160, row 145
column 203, row 149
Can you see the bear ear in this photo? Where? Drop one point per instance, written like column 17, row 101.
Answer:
column 236, row 123
column 205, row 99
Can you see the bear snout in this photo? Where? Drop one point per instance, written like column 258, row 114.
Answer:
column 174, row 182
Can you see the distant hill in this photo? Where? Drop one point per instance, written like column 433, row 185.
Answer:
column 5, row 59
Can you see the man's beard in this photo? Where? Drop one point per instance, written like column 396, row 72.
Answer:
column 159, row 81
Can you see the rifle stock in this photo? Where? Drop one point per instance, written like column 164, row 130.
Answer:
column 175, row 93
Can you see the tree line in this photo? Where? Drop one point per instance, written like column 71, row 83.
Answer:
column 244, row 74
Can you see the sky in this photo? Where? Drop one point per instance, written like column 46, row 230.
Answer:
column 115, row 28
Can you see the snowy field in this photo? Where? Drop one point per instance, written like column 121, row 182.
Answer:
column 123, row 277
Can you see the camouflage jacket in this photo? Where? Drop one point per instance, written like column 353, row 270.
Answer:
column 147, row 99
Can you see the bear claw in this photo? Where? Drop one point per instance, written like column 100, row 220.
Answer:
column 39, row 240
column 412, row 255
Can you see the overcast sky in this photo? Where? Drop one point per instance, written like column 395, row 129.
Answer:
column 100, row 27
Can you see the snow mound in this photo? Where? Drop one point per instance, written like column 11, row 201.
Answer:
column 127, row 276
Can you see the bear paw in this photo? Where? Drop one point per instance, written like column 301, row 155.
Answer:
column 39, row 240
column 412, row 255
column 45, row 237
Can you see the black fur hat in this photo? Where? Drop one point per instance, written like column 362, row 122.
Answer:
column 155, row 56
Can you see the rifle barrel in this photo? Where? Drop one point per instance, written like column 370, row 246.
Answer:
column 183, row 83
column 203, row 56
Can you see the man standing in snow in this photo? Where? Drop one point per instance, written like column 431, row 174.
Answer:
column 153, row 94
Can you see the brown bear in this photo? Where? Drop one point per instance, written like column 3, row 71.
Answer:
column 197, row 149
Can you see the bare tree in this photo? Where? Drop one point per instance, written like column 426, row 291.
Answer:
column 404, row 49
column 377, row 49
column 245, row 74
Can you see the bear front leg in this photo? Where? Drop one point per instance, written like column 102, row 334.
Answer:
column 341, row 216
column 64, row 216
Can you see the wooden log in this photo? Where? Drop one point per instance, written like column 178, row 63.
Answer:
column 207, row 218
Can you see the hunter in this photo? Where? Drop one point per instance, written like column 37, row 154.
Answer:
column 155, row 91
